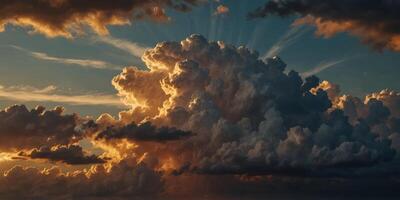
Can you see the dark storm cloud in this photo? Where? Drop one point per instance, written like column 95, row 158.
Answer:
column 122, row 180
column 70, row 17
column 250, row 117
column 21, row 128
column 71, row 154
column 142, row 132
column 376, row 22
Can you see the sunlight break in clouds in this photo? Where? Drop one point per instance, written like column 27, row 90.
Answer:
column 322, row 66
column 31, row 94
column 85, row 63
column 130, row 47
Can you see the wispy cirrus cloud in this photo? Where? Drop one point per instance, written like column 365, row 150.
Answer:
column 294, row 33
column 323, row 66
column 132, row 48
column 49, row 94
column 85, row 63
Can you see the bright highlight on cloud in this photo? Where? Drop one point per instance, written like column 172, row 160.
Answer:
column 209, row 113
column 221, row 10
column 375, row 22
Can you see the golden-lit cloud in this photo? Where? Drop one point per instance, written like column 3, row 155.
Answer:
column 68, row 18
column 375, row 22
column 204, row 113
column 221, row 10
column 249, row 115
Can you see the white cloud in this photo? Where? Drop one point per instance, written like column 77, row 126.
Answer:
column 286, row 40
column 128, row 46
column 86, row 63
column 323, row 66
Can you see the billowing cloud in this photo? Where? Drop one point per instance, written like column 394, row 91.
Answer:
column 230, row 118
column 249, row 116
column 376, row 22
column 69, row 154
column 21, row 128
column 69, row 18
column 121, row 180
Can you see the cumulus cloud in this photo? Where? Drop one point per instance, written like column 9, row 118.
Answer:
column 375, row 21
column 69, row 154
column 121, row 180
column 232, row 113
column 249, row 116
column 21, row 128
column 69, row 18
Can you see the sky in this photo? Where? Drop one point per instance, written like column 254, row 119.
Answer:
column 199, row 99
column 361, row 70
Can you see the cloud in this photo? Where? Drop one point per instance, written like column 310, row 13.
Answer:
column 249, row 116
column 322, row 66
column 119, row 181
column 221, row 10
column 130, row 47
column 375, row 21
column 47, row 94
column 86, row 63
column 285, row 41
column 70, row 154
column 142, row 132
column 68, row 18
column 230, row 118
column 21, row 128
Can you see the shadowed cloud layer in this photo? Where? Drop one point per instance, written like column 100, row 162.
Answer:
column 122, row 180
column 71, row 154
column 376, row 22
column 68, row 18
column 21, row 128
column 142, row 132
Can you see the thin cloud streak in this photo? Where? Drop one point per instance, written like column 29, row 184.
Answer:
column 125, row 45
column 30, row 94
column 286, row 40
column 323, row 66
column 86, row 63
